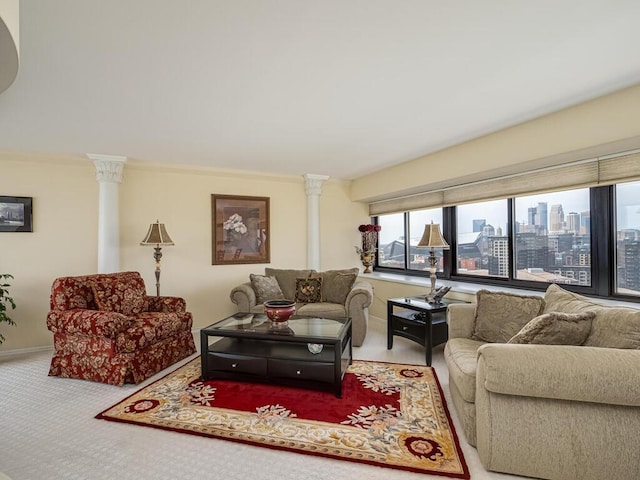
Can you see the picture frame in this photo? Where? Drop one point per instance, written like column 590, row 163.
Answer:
column 240, row 229
column 16, row 214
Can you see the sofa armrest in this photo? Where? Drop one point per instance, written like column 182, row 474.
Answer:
column 360, row 296
column 244, row 297
column 460, row 318
column 578, row 373
column 88, row 322
column 166, row 304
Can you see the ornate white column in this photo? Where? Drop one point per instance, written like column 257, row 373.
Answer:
column 313, row 188
column 109, row 175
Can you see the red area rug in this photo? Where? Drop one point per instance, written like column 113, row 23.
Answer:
column 390, row 415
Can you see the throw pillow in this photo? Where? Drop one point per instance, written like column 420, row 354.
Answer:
column 121, row 293
column 500, row 315
column 556, row 328
column 266, row 288
column 308, row 290
column 336, row 284
column 287, row 279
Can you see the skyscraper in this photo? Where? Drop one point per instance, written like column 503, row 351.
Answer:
column 573, row 222
column 541, row 217
column 556, row 218
column 479, row 224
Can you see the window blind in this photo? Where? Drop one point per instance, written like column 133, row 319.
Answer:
column 606, row 170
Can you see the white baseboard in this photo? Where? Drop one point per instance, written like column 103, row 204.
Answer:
column 21, row 351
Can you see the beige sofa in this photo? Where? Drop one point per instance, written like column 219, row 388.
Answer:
column 342, row 295
column 551, row 411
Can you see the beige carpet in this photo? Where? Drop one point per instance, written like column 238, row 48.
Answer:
column 49, row 432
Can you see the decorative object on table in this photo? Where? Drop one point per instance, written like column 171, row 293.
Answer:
column 432, row 238
column 367, row 250
column 240, row 229
column 16, row 214
column 157, row 237
column 5, row 302
column 390, row 415
column 315, row 348
column 440, row 293
column 279, row 311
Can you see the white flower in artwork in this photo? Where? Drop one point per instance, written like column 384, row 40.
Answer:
column 235, row 225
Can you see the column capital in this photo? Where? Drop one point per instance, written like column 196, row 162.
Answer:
column 108, row 167
column 313, row 183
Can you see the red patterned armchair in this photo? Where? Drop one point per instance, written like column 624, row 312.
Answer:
column 107, row 329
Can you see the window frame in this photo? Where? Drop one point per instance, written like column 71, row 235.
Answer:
column 603, row 251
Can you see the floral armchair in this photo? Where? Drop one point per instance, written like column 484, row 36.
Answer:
column 107, row 329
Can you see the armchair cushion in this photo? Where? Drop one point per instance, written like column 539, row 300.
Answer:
column 124, row 293
column 308, row 290
column 266, row 288
column 556, row 328
column 500, row 315
column 150, row 328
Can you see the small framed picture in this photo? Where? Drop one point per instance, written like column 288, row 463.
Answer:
column 240, row 229
column 16, row 214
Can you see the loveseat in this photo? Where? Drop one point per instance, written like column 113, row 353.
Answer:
column 107, row 329
column 332, row 293
column 560, row 398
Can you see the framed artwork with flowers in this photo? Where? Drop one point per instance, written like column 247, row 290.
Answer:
column 240, row 229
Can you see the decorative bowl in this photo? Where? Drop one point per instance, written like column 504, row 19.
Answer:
column 279, row 311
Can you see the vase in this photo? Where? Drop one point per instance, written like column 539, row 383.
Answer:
column 367, row 259
column 279, row 311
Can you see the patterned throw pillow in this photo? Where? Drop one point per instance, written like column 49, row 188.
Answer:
column 500, row 315
column 121, row 293
column 266, row 288
column 556, row 328
column 309, row 290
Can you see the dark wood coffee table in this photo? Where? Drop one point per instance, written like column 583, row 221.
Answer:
column 251, row 349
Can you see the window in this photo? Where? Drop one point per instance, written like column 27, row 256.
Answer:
column 482, row 239
column 553, row 238
column 391, row 252
column 627, row 220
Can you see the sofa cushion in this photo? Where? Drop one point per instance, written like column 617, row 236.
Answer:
column 612, row 327
column 323, row 309
column 499, row 315
column 121, row 293
column 556, row 328
column 287, row 279
column 336, row 284
column 266, row 288
column 460, row 355
column 308, row 290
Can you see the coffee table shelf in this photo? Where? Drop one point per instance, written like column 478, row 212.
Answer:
column 251, row 350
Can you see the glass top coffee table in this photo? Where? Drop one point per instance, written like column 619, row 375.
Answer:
column 309, row 352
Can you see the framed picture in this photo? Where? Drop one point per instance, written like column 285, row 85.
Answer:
column 240, row 229
column 15, row 214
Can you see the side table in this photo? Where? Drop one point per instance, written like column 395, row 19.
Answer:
column 418, row 320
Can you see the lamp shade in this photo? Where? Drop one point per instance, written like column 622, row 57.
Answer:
column 432, row 237
column 157, row 235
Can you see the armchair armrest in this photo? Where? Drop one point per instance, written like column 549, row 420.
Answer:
column 166, row 304
column 460, row 318
column 578, row 373
column 88, row 322
column 244, row 296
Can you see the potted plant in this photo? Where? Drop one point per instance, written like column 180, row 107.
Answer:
column 5, row 302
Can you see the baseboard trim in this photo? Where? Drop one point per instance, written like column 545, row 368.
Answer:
column 22, row 351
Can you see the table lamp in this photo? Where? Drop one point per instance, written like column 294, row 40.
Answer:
column 432, row 238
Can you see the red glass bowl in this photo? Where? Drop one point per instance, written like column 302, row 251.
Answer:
column 279, row 311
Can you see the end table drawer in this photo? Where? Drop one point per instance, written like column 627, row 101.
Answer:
column 237, row 363
column 321, row 372
column 409, row 327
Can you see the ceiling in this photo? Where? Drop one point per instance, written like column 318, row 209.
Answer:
column 333, row 87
